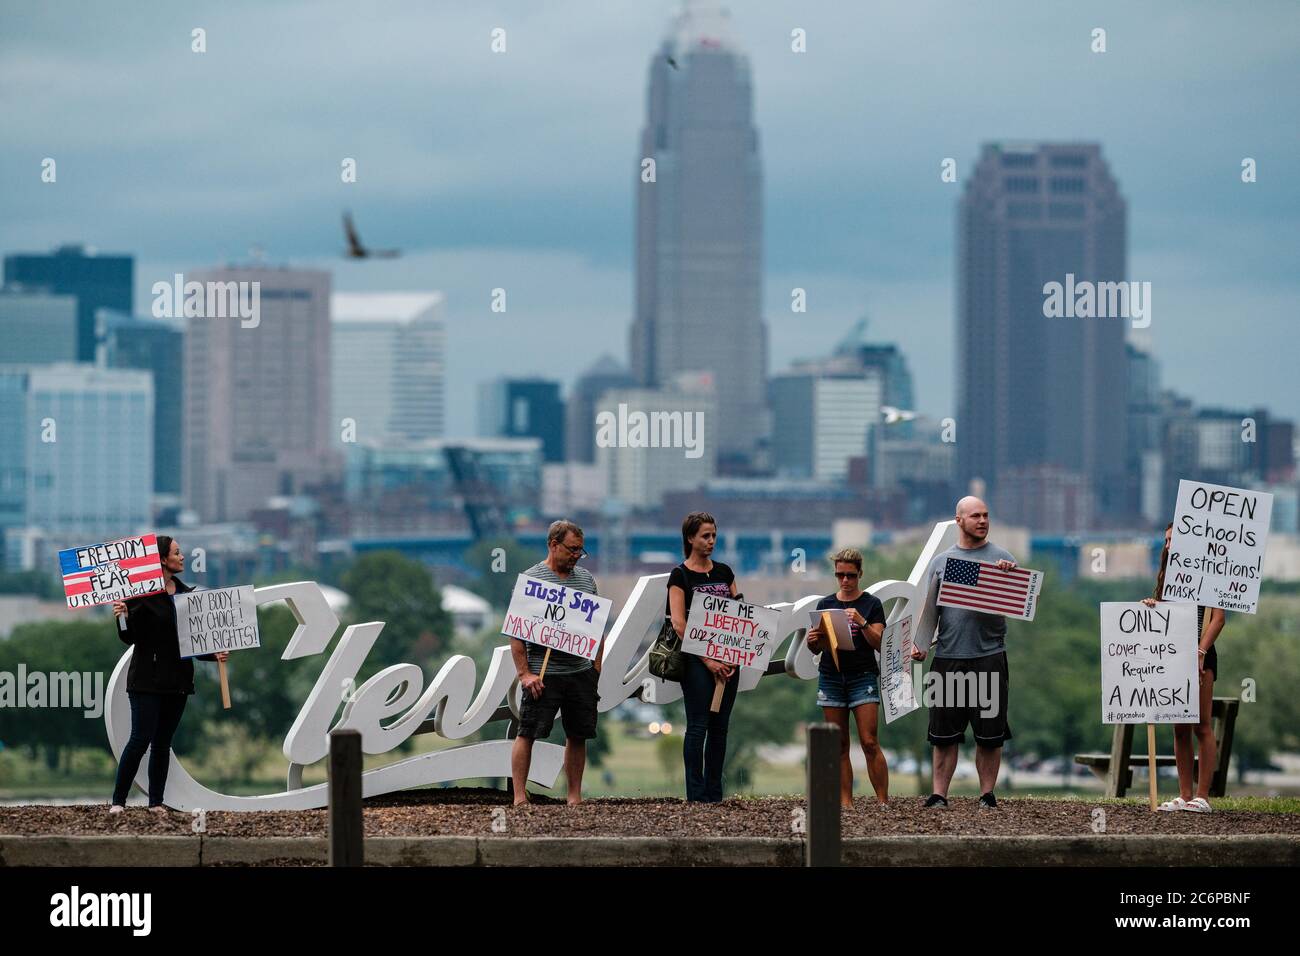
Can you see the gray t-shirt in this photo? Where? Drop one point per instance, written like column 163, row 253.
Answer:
column 963, row 634
column 562, row 662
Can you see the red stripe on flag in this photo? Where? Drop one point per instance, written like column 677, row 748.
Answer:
column 967, row 598
column 991, row 608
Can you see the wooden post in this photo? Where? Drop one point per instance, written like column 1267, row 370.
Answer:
column 546, row 659
column 1117, row 771
column 225, row 684
column 829, row 627
column 823, row 824
column 1151, row 761
column 346, row 841
column 719, row 688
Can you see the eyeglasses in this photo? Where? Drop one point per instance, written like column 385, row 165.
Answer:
column 847, row 574
column 577, row 552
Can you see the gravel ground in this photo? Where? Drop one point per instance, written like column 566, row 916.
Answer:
column 469, row 812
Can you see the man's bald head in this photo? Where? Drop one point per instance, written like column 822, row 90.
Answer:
column 973, row 521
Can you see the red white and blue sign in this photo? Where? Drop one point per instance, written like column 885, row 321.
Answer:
column 112, row 571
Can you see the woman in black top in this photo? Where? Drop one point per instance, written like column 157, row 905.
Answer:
column 1208, row 657
column 158, row 679
column 854, row 685
column 704, row 748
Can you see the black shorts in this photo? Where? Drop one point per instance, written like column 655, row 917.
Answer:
column 574, row 695
column 976, row 693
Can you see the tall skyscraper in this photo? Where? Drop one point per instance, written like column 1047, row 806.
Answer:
column 699, row 227
column 159, row 348
column 98, row 282
column 37, row 327
column 257, row 394
column 1034, row 390
column 76, row 450
column 821, row 419
column 389, row 363
column 523, row 408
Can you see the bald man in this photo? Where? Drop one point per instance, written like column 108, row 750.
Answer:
column 971, row 646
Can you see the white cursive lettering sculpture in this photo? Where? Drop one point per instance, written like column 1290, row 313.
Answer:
column 450, row 699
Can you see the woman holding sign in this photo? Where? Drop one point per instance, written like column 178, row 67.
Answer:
column 704, row 748
column 1208, row 658
column 849, row 680
column 158, row 680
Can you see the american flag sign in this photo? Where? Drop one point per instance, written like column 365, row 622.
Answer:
column 980, row 586
column 112, row 571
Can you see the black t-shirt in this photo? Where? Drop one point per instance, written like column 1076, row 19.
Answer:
column 717, row 580
column 862, row 659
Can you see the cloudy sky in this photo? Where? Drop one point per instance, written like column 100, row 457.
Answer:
column 518, row 170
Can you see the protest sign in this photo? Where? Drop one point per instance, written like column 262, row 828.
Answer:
column 983, row 586
column 1216, row 551
column 557, row 617
column 217, row 619
column 836, row 630
column 730, row 632
column 112, row 571
column 1149, row 669
column 896, row 690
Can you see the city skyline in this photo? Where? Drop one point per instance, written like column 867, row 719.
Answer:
column 504, row 194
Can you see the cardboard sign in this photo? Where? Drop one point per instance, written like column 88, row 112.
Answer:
column 1216, row 552
column 896, row 690
column 839, row 622
column 219, row 619
column 557, row 616
column 1149, row 668
column 112, row 571
column 730, row 631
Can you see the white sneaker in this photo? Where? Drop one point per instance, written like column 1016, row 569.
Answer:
column 1198, row 805
column 1177, row 803
column 117, row 808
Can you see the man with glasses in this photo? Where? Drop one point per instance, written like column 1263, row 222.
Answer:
column 569, row 685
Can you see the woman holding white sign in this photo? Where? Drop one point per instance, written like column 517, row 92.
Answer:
column 704, row 748
column 158, row 681
column 1208, row 658
column 849, row 680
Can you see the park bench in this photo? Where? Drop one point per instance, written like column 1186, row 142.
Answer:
column 1116, row 767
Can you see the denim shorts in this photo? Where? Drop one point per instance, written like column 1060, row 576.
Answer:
column 847, row 690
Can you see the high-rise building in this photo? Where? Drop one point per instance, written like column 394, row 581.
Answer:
column 523, row 408
column 98, row 282
column 389, row 363
column 159, row 348
column 37, row 327
column 699, row 227
column 653, row 441
column 580, row 410
column 895, row 376
column 257, row 394
column 1034, row 390
column 820, row 420
column 76, row 450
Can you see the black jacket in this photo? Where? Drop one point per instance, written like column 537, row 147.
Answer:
column 156, row 665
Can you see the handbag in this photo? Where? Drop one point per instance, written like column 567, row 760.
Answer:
column 667, row 662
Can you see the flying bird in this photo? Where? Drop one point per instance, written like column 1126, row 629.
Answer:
column 356, row 250
column 893, row 414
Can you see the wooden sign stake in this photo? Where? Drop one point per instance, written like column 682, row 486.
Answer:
column 829, row 627
column 1151, row 761
column 720, row 688
column 225, row 685
column 546, row 659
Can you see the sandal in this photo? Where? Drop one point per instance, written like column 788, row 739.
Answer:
column 1198, row 805
column 1177, row 803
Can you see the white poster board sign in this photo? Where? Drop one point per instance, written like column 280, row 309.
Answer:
column 1149, row 668
column 896, row 690
column 1216, row 551
column 730, row 631
column 557, row 616
column 217, row 619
